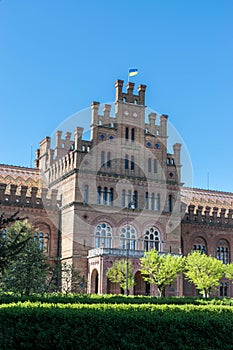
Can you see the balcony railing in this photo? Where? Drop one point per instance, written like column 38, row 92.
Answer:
column 115, row 252
column 122, row 252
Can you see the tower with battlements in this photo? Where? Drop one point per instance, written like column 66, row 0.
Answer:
column 119, row 190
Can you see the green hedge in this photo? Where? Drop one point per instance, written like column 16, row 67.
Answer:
column 105, row 326
column 6, row 298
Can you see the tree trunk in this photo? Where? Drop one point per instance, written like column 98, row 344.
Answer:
column 161, row 291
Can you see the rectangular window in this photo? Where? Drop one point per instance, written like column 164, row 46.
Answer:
column 135, row 199
column 126, row 133
column 149, row 165
column 99, row 195
column 155, row 166
column 109, row 159
column 170, row 203
column 147, row 201
column 132, row 162
column 126, row 161
column 85, row 196
column 152, row 203
column 102, row 159
column 132, row 134
column 111, row 196
column 157, row 201
column 105, row 195
column 123, row 198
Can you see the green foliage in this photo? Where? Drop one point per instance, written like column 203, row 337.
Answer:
column 118, row 273
column 204, row 271
column 71, row 298
column 115, row 326
column 161, row 270
column 229, row 271
column 26, row 273
column 13, row 240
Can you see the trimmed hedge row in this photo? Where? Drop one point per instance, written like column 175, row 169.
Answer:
column 6, row 298
column 105, row 326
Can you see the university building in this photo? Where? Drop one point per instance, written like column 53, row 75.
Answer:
column 116, row 195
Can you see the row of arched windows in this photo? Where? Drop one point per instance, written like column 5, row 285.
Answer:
column 128, row 237
column 104, row 195
column 222, row 250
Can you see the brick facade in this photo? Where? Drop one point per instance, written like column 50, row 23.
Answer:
column 119, row 192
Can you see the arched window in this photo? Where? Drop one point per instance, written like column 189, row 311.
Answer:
column 132, row 162
column 85, row 194
column 103, row 235
column 200, row 245
column 123, row 198
column 149, row 165
column 224, row 289
column 128, row 235
column 126, row 161
column 102, row 158
column 109, row 159
column 133, row 134
column 127, row 133
column 168, row 161
column 152, row 239
column 222, row 251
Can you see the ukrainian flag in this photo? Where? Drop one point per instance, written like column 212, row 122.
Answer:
column 133, row 72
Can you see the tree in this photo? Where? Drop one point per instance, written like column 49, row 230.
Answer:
column 71, row 278
column 161, row 270
column 11, row 241
column 118, row 274
column 27, row 271
column 229, row 271
column 204, row 271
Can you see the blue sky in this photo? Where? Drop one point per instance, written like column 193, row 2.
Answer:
column 56, row 57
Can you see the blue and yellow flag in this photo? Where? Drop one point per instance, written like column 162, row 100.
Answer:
column 133, row 72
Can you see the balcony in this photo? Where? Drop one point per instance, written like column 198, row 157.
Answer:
column 115, row 252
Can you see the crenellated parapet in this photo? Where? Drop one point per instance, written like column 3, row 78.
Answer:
column 129, row 96
column 27, row 197
column 207, row 215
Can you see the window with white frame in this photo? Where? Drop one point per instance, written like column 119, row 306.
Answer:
column 222, row 251
column 103, row 235
column 152, row 239
column 128, row 236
